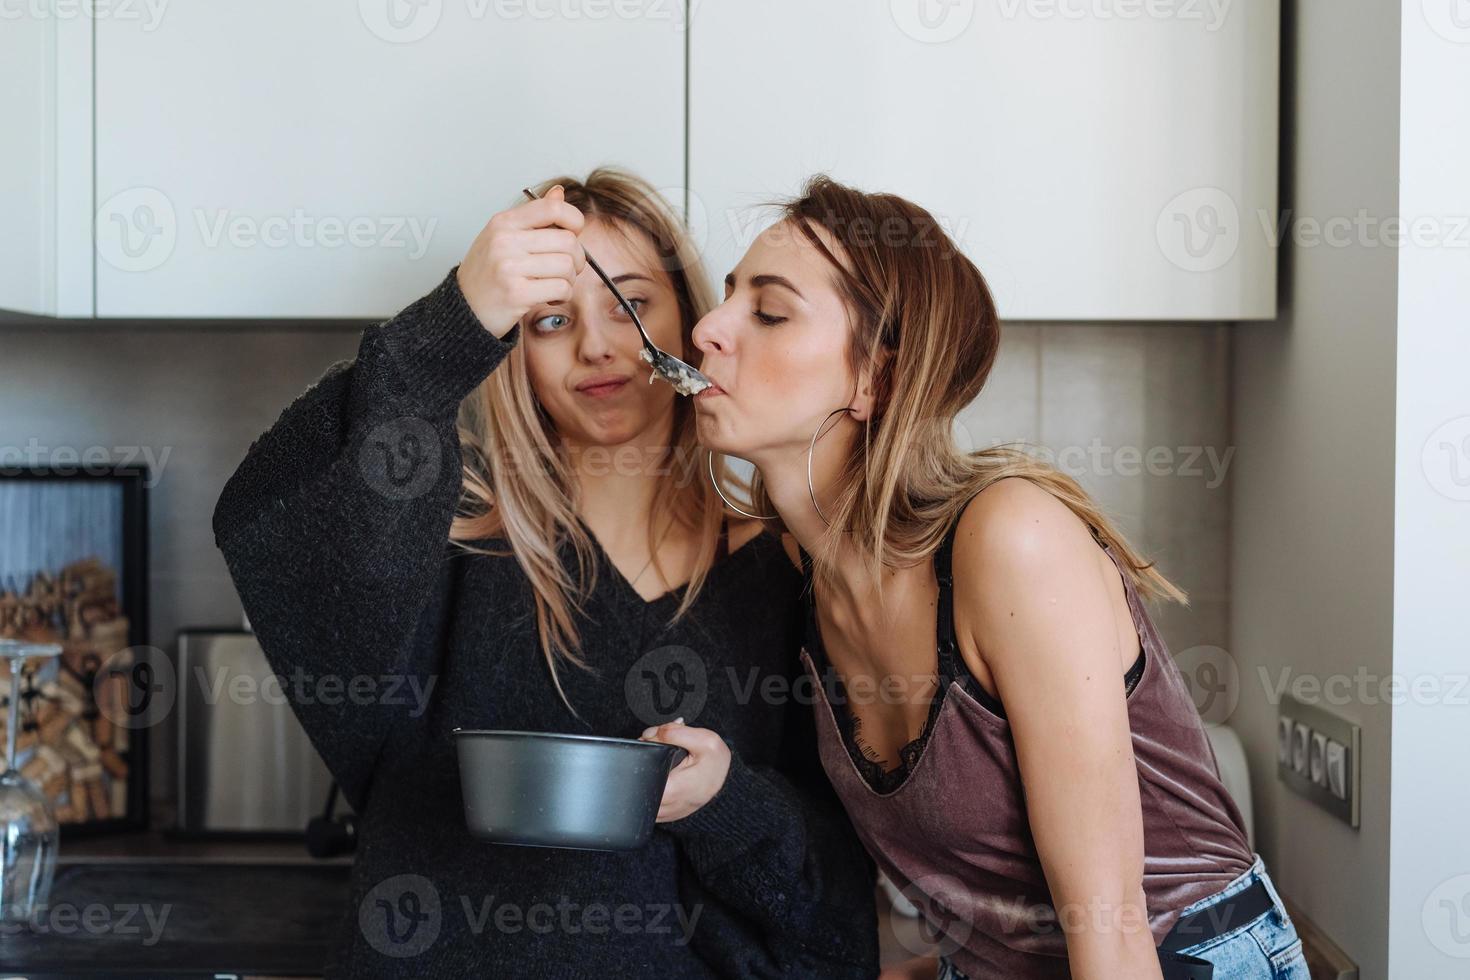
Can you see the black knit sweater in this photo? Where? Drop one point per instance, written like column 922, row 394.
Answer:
column 335, row 529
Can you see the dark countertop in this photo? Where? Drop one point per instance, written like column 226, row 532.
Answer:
column 156, row 847
column 148, row 905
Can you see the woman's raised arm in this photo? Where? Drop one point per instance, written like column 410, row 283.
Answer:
column 335, row 525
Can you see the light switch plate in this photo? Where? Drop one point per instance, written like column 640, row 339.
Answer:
column 1301, row 738
column 1283, row 740
column 1323, row 761
column 1337, row 769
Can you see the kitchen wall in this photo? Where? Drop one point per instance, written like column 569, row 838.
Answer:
column 1313, row 497
column 1105, row 398
column 190, row 400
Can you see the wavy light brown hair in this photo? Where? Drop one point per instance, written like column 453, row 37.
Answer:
column 924, row 324
column 518, row 481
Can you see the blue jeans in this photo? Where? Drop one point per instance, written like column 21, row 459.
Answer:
column 1265, row 948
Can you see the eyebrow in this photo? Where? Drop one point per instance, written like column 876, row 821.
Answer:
column 766, row 280
column 629, row 277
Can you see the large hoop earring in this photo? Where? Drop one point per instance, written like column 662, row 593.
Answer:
column 716, row 484
column 810, row 489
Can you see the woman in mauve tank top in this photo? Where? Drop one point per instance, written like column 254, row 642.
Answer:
column 1002, row 721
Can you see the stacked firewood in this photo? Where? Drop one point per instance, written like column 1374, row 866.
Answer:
column 70, row 719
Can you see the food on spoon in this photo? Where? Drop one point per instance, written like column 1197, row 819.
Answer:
column 676, row 373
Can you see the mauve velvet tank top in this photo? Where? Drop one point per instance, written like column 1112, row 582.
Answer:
column 949, row 825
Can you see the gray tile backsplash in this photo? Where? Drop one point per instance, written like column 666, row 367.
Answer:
column 194, row 400
column 189, row 402
column 1139, row 414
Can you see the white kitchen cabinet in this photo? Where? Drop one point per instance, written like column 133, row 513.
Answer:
column 1098, row 159
column 46, row 166
column 287, row 159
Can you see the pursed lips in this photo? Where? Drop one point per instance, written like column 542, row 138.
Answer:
column 602, row 385
column 712, row 391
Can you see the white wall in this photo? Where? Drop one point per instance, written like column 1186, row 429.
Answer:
column 1312, row 563
column 1429, row 888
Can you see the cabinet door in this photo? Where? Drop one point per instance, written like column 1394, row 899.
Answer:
column 46, row 165
column 27, row 197
column 287, row 159
column 1098, row 159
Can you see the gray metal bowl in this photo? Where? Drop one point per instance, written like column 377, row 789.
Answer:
column 548, row 790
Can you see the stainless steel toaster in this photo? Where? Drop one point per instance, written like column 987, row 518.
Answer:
column 245, row 764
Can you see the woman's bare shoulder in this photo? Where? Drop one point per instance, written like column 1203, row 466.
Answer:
column 1012, row 519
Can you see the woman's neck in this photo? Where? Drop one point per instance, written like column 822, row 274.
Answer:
column 617, row 484
column 861, row 638
column 784, row 477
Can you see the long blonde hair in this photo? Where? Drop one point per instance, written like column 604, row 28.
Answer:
column 924, row 324
column 518, row 481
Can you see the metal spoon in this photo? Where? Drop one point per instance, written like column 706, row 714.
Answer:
column 685, row 379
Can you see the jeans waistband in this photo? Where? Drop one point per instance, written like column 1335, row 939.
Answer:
column 1245, row 899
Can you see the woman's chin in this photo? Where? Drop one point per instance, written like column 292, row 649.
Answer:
column 711, row 433
column 721, row 442
column 608, row 432
column 720, row 433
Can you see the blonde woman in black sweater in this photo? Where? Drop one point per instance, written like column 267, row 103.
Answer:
column 490, row 519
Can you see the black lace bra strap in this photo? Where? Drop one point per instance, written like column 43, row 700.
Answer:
column 950, row 665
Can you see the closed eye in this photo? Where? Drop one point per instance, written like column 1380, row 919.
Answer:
column 768, row 319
